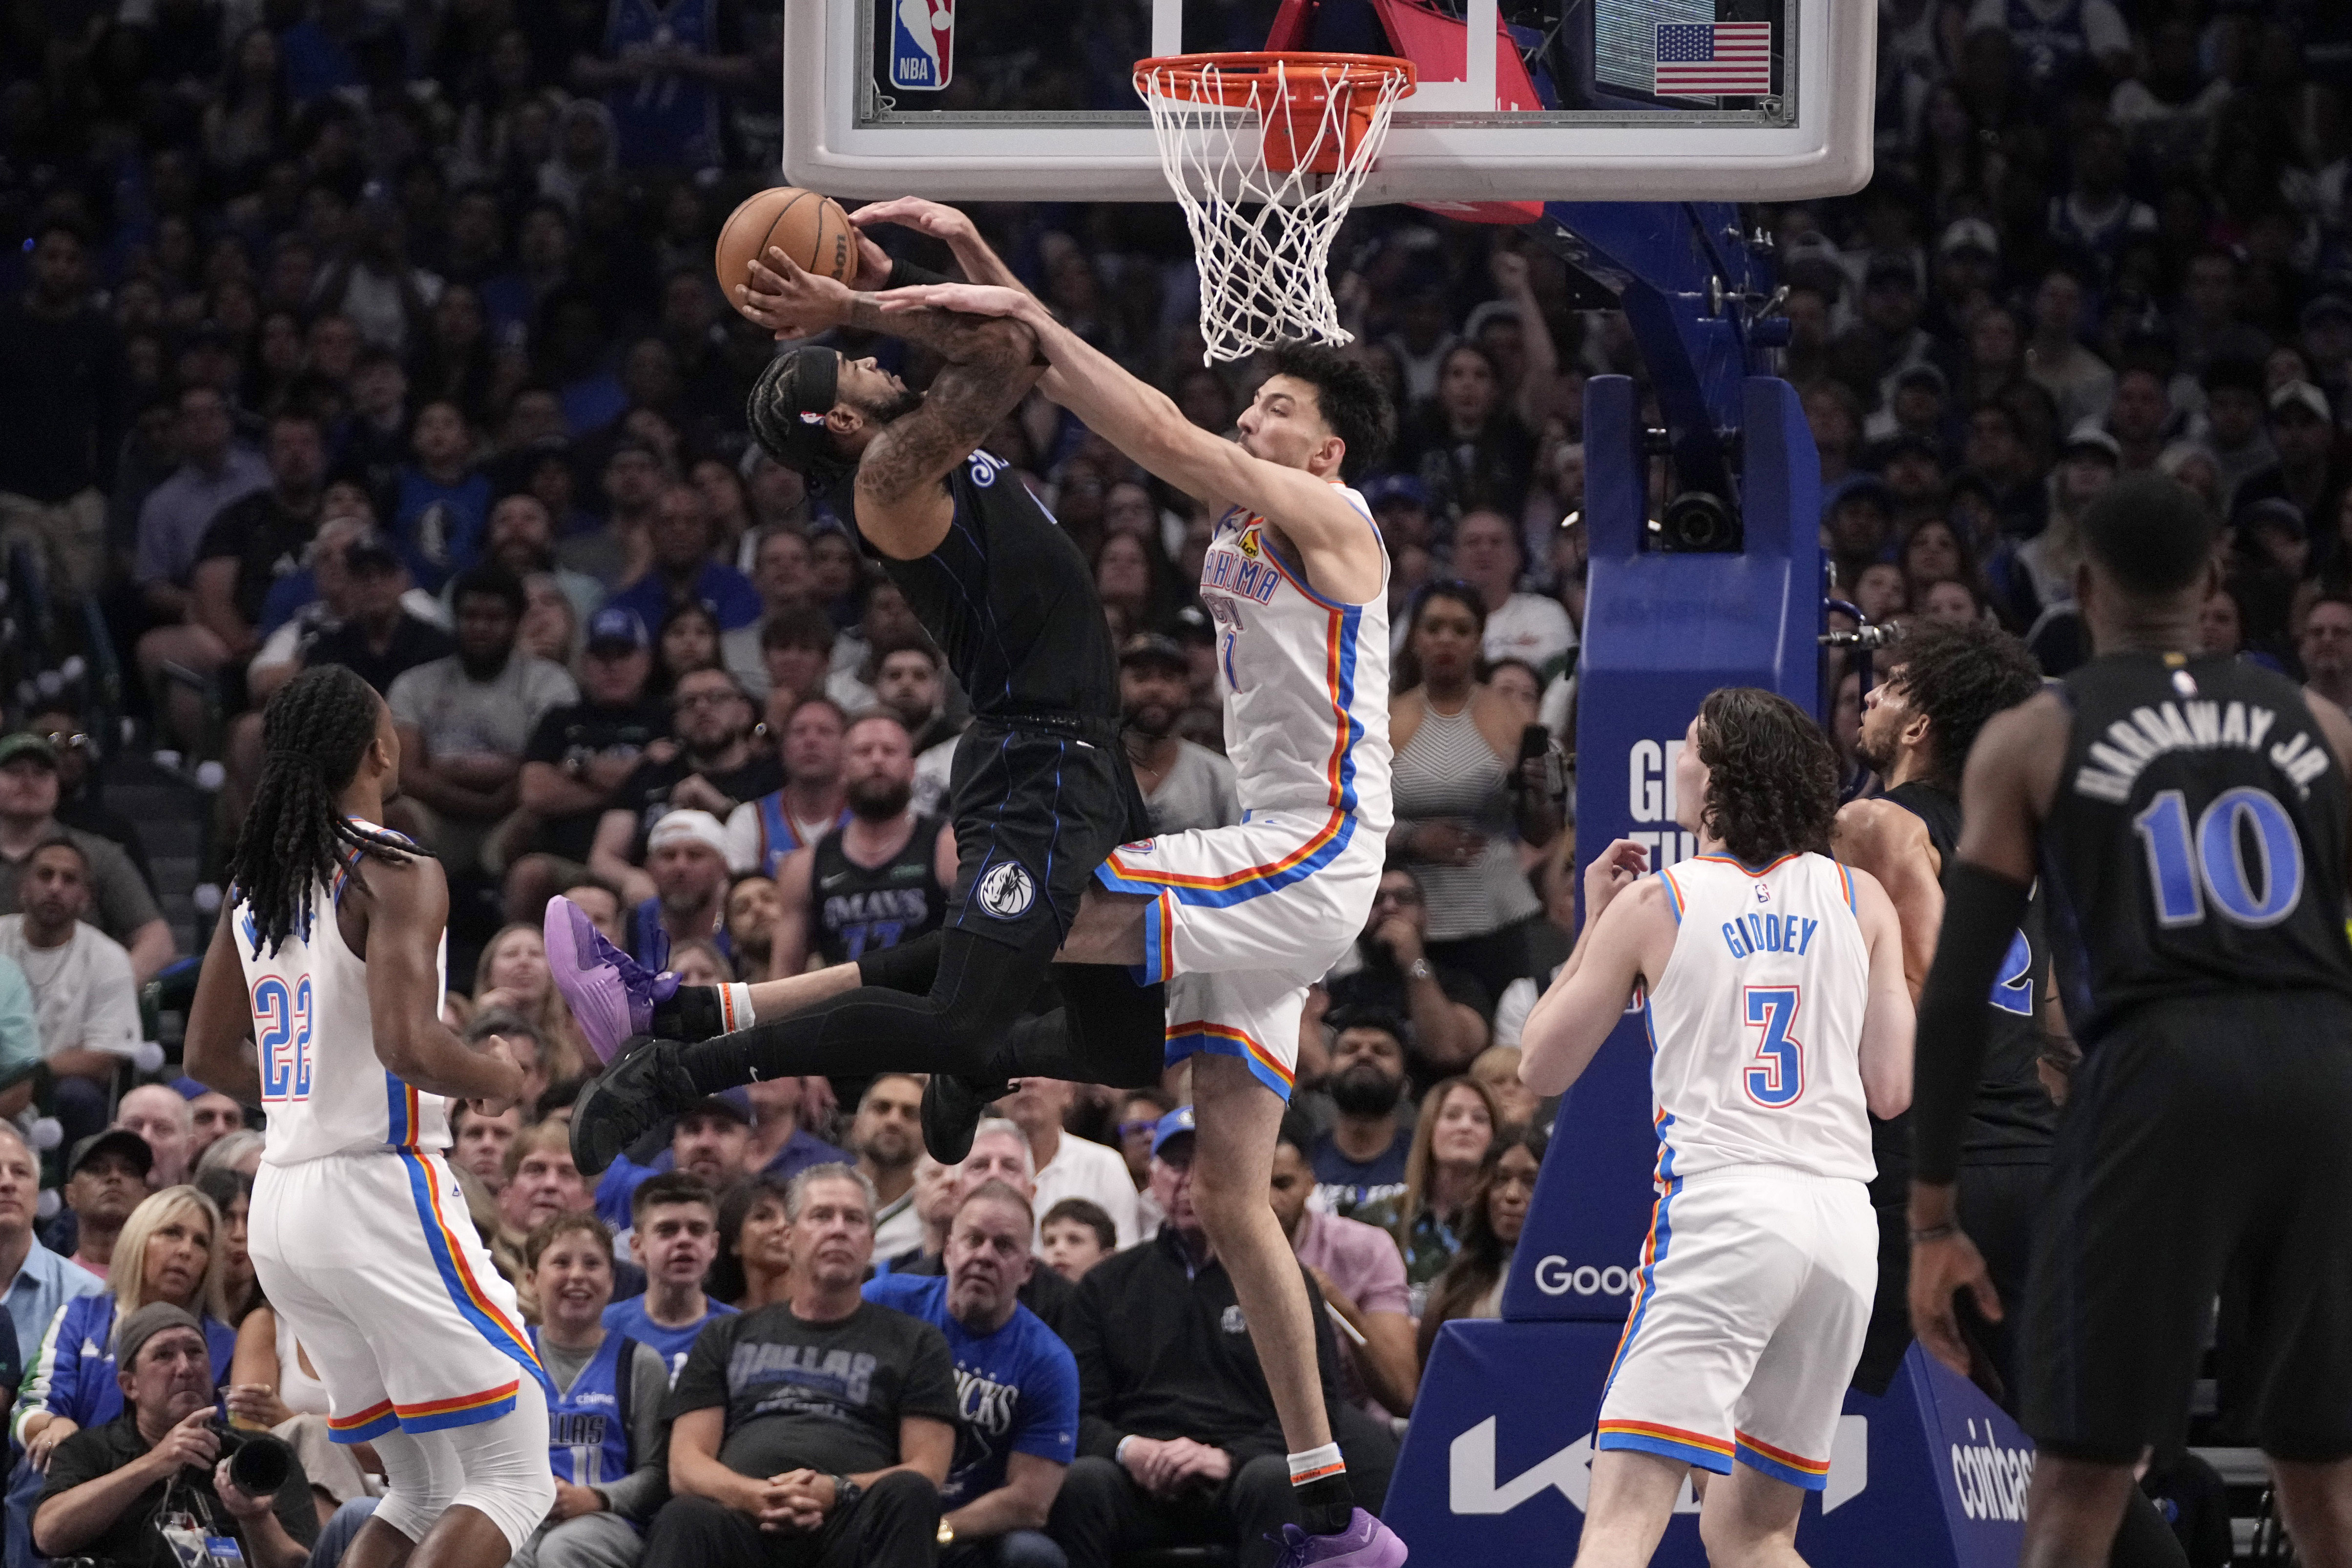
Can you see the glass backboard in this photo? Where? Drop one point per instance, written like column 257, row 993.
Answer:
column 1579, row 100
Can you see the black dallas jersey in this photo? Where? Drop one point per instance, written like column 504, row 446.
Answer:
column 2012, row 1115
column 2196, row 845
column 862, row 909
column 1010, row 599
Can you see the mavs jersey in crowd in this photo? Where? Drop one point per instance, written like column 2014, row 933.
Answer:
column 1757, row 1023
column 667, row 119
column 860, row 908
column 588, row 1422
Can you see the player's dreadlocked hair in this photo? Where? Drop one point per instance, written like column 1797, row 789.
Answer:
column 1772, row 775
column 1958, row 677
column 314, row 733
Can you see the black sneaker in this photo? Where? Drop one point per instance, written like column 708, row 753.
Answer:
column 641, row 1089
column 953, row 1109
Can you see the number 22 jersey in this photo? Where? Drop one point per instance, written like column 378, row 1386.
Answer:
column 322, row 1085
column 2195, row 844
column 1756, row 1025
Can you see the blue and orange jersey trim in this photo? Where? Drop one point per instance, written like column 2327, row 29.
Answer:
column 401, row 1112
column 1320, row 848
column 459, row 1410
column 363, row 1426
column 1654, row 1246
column 1710, row 1454
column 1674, row 892
column 1845, row 880
column 458, row 1276
column 1222, row 1039
column 1339, row 665
column 1812, row 1475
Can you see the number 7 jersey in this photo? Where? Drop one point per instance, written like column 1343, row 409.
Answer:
column 1756, row 1025
column 2195, row 844
column 322, row 1085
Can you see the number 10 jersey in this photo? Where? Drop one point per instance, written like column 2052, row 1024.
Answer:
column 2195, row 844
column 322, row 1085
column 1756, row 1025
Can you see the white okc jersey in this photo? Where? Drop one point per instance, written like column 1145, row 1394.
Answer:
column 322, row 1085
column 1305, row 680
column 1756, row 1025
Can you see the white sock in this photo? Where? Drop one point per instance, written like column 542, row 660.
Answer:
column 735, row 1009
column 1316, row 1464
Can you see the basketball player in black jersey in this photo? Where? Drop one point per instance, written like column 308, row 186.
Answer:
column 1041, row 788
column 1917, row 725
column 2186, row 816
column 884, row 877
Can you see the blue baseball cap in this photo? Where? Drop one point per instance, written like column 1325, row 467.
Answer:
column 616, row 626
column 1395, row 486
column 1177, row 1124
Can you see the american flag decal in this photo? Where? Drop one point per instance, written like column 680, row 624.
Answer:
column 1708, row 60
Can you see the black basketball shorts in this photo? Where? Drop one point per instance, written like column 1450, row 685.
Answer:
column 1038, row 804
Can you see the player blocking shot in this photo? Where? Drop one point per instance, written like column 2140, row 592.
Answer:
column 1779, row 1022
column 1235, row 922
column 319, row 999
column 2185, row 816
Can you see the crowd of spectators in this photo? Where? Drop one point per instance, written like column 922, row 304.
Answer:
column 387, row 336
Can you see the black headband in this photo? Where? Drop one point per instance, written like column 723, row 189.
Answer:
column 787, row 413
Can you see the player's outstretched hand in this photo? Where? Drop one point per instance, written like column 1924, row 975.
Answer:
column 1940, row 1269
column 934, row 218
column 790, row 302
column 1613, row 871
column 970, row 298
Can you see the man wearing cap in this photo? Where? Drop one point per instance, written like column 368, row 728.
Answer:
column 2311, row 470
column 2139, row 417
column 465, row 721
column 121, row 905
column 85, row 999
column 1889, row 335
column 1916, row 409
column 684, row 569
column 686, row 859
column 2235, row 427
column 107, row 1485
column 714, row 766
column 1184, row 785
column 367, row 616
column 578, row 756
column 106, row 1178
column 1178, row 1440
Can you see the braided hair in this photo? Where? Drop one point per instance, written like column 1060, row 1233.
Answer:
column 314, row 733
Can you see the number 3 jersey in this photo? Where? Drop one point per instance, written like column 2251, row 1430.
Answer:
column 1756, row 1025
column 322, row 1085
column 2196, row 843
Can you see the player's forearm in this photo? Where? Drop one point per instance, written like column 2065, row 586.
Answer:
column 1982, row 913
column 429, row 1057
column 1126, row 411
column 997, row 341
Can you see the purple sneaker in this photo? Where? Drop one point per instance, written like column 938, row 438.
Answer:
column 1365, row 1544
column 613, row 996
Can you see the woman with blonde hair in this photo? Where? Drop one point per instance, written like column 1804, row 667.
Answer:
column 1458, row 1123
column 514, row 965
column 173, row 1248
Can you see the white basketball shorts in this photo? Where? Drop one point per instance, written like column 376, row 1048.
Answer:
column 1747, row 1319
column 1242, row 920
column 374, row 1260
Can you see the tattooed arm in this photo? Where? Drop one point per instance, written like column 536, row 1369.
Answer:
column 903, row 508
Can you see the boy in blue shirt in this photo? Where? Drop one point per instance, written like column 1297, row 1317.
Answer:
column 1016, row 1387
column 675, row 1238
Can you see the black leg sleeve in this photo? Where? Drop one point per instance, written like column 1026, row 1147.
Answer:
column 979, row 992
column 1109, row 1030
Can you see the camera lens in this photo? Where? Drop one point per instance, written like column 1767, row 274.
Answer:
column 260, row 1464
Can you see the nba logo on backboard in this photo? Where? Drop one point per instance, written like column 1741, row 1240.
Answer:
column 922, row 44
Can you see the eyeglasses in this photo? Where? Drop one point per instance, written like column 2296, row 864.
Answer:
column 1134, row 1128
column 685, row 699
column 68, row 742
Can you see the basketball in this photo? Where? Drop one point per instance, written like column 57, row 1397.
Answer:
column 810, row 228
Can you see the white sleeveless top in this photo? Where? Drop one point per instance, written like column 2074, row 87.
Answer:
column 322, row 1085
column 1756, row 1025
column 1304, row 679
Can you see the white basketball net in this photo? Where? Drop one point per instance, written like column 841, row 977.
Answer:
column 1263, row 236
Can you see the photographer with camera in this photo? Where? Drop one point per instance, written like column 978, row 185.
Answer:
column 164, row 1484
